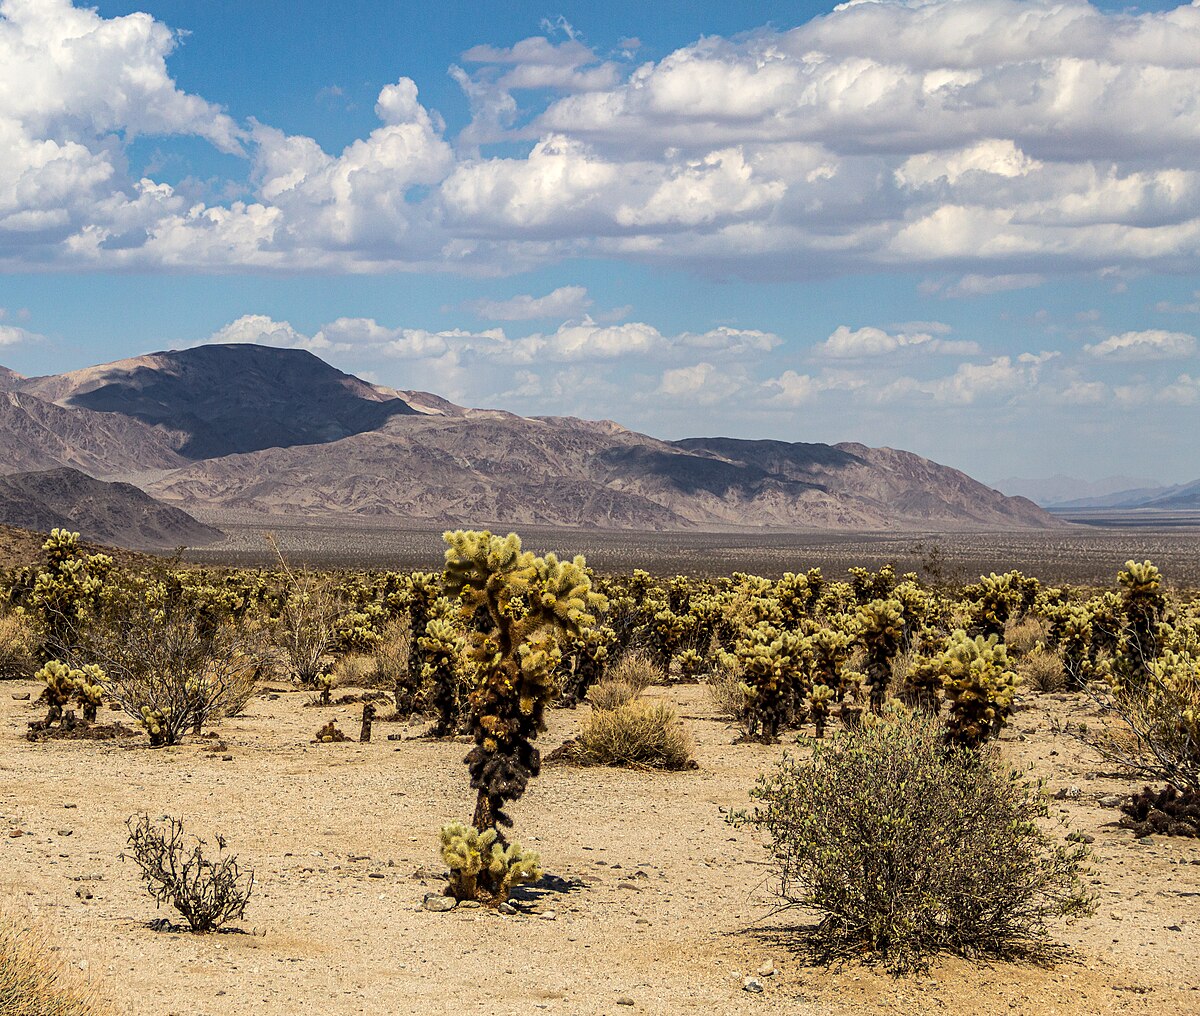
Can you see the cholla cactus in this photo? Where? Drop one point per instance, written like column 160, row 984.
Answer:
column 515, row 606
column 880, row 630
column 330, row 734
column 690, row 664
column 590, row 651
column 820, row 701
column 60, row 594
column 772, row 665
column 1144, row 606
column 980, row 687
column 482, row 867
column 63, row 683
column 996, row 598
column 441, row 650
column 156, row 723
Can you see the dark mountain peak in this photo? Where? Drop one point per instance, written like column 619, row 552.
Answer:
column 229, row 398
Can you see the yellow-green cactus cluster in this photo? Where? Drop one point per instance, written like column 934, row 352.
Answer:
column 156, row 723
column 691, row 663
column 880, row 631
column 482, row 867
column 980, row 687
column 63, row 683
column 820, row 701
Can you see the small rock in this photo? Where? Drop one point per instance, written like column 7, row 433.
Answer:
column 507, row 909
column 83, row 964
column 1111, row 801
column 766, row 969
column 22, row 697
column 753, row 985
column 549, row 915
column 469, row 905
column 439, row 904
column 395, row 737
column 1071, row 793
column 376, row 874
column 65, row 832
column 629, row 885
column 1078, row 837
column 624, row 1000
column 226, row 758
column 70, row 806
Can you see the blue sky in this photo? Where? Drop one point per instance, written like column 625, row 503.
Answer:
column 969, row 228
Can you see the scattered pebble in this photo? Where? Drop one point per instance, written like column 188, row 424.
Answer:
column 439, row 904
column 766, row 969
column 549, row 915
column 624, row 1000
column 1111, row 801
column 507, row 909
column 1071, row 793
column 753, row 985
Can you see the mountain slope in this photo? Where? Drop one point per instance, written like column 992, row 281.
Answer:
column 40, row 435
column 225, row 399
column 111, row 513
column 279, row 431
column 1053, row 491
column 490, row 467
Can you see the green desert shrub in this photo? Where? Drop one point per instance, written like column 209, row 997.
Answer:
column 208, row 891
column 32, row 981
column 908, row 846
column 639, row 734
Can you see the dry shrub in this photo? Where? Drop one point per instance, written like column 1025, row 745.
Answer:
column 639, row 734
column 611, row 695
column 1021, row 637
column 727, row 693
column 17, row 647
column 354, row 670
column 637, row 669
column 391, row 656
column 32, row 981
column 910, row 846
column 1041, row 670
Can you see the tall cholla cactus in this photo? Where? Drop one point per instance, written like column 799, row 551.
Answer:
column 441, row 648
column 1144, row 605
column 880, row 630
column 980, row 687
column 63, row 591
column 418, row 593
column 530, row 601
column 771, row 663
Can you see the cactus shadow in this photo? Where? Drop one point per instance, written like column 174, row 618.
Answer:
column 547, row 887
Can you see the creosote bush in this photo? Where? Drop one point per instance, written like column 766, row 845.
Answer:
column 639, row 734
column 909, row 846
column 636, row 668
column 610, row 694
column 207, row 891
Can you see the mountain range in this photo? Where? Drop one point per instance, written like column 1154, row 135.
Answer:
column 280, row 431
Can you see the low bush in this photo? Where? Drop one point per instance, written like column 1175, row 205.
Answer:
column 32, row 981
column 637, row 669
column 611, row 694
column 727, row 693
column 909, row 846
column 207, row 891
column 1041, row 670
column 639, row 734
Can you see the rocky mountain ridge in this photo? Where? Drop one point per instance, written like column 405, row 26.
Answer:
column 281, row 432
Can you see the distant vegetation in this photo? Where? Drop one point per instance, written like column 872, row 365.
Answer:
column 894, row 685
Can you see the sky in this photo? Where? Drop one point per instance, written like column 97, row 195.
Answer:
column 966, row 228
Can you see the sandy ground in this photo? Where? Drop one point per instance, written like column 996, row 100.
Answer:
column 663, row 903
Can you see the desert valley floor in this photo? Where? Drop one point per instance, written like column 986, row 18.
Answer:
column 657, row 905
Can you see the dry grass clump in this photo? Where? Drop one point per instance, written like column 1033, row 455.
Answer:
column 1021, row 637
column 609, row 695
column 638, row 734
column 391, row 656
column 17, row 644
column 32, row 982
column 1041, row 670
column 727, row 693
column 635, row 668
column 354, row 670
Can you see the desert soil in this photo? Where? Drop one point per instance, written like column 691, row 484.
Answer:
column 659, row 904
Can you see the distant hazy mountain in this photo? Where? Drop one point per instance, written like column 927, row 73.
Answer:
column 110, row 513
column 280, row 431
column 1056, row 490
column 1181, row 497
